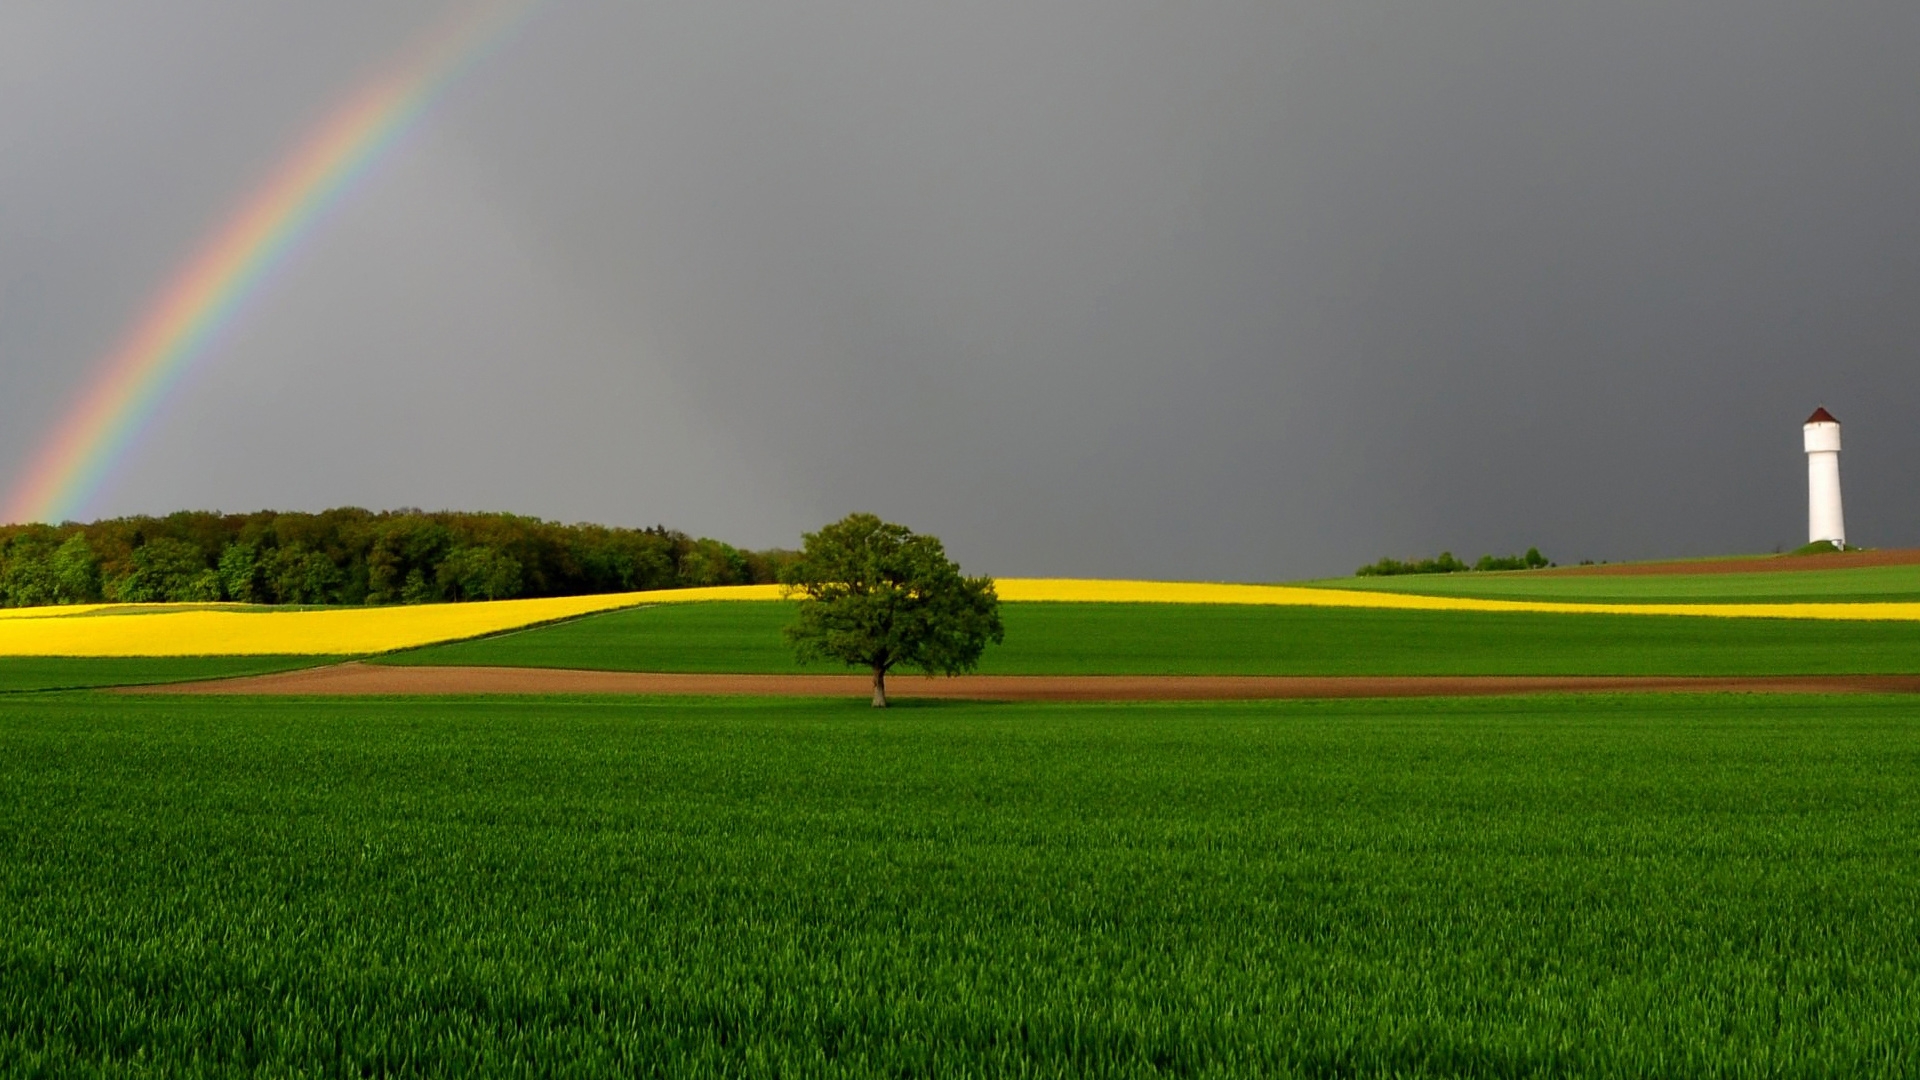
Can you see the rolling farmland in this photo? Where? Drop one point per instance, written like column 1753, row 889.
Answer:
column 1587, row 884
column 1867, row 584
column 1221, row 639
column 241, row 630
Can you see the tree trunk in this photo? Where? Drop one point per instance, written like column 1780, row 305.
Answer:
column 879, row 688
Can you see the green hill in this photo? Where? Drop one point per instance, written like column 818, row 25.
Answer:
column 1855, row 585
column 1208, row 639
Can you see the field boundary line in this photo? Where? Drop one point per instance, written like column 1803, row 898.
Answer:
column 357, row 678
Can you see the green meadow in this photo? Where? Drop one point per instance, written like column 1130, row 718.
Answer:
column 1604, row 886
column 1854, row 585
column 24, row 673
column 1205, row 639
column 1598, row 886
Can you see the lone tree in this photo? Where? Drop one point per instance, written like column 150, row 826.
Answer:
column 877, row 595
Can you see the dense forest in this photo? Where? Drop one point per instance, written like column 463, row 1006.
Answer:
column 353, row 556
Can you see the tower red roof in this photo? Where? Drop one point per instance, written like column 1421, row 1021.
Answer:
column 1821, row 416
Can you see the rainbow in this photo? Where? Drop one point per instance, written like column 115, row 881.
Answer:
column 208, row 293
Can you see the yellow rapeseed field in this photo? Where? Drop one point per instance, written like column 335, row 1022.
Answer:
column 1183, row 592
column 231, row 630
column 226, row 630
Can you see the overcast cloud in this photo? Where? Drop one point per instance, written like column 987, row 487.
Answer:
column 1238, row 290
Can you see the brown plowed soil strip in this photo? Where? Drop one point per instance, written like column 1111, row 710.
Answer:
column 1838, row 560
column 365, row 679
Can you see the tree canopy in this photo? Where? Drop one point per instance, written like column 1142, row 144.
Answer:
column 353, row 556
column 1447, row 564
column 877, row 595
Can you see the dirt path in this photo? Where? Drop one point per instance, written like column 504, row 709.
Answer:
column 368, row 679
column 1838, row 560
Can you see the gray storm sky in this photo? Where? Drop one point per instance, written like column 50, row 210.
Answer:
column 1238, row 290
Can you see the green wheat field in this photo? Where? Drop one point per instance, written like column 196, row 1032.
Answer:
column 1605, row 886
column 1598, row 885
column 1213, row 639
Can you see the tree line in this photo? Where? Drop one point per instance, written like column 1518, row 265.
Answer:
column 1446, row 563
column 355, row 556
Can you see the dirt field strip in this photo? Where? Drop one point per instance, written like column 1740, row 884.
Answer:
column 356, row 679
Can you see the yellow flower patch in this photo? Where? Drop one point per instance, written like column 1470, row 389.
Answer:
column 226, row 630
column 1179, row 592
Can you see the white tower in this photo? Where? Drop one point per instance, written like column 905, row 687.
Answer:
column 1823, row 480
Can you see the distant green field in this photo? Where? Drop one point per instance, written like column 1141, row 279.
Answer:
column 19, row 673
column 1200, row 639
column 1523, row 887
column 1886, row 583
